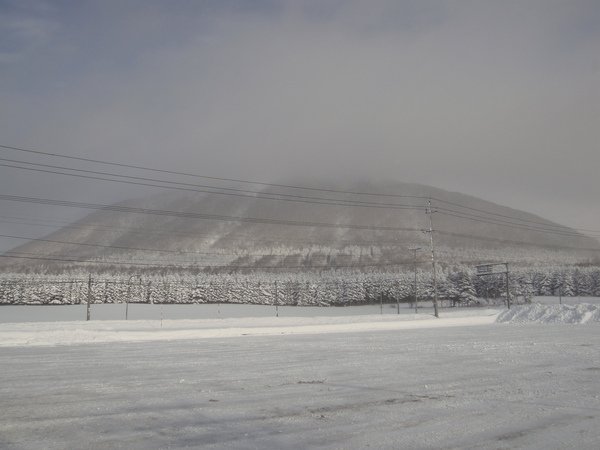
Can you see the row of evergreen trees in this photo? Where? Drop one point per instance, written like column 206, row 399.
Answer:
column 457, row 285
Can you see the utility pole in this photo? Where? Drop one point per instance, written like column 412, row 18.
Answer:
column 89, row 297
column 276, row 301
column 488, row 269
column 429, row 212
column 560, row 292
column 131, row 277
column 507, row 287
column 415, row 250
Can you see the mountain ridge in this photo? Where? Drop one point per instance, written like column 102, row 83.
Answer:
column 252, row 232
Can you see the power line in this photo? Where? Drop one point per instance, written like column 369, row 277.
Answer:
column 59, row 258
column 180, row 265
column 546, row 223
column 194, row 282
column 516, row 242
column 265, row 196
column 447, row 233
column 192, row 215
column 235, row 180
column 240, row 236
column 119, row 247
column 465, row 236
column 125, row 209
column 259, row 183
column 100, row 259
column 511, row 225
column 203, row 188
column 562, row 230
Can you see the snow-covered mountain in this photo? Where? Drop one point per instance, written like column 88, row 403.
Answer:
column 249, row 231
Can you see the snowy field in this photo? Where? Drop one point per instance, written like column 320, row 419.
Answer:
column 144, row 311
column 69, row 333
column 374, row 381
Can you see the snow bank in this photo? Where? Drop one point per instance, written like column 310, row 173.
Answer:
column 538, row 313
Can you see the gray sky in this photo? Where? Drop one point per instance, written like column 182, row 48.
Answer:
column 498, row 99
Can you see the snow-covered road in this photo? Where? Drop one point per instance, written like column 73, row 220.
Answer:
column 73, row 332
column 482, row 386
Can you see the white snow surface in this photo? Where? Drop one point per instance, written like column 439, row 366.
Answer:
column 538, row 313
column 415, row 385
column 81, row 332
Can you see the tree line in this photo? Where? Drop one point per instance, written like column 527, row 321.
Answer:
column 458, row 285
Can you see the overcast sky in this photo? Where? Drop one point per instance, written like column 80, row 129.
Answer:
column 498, row 99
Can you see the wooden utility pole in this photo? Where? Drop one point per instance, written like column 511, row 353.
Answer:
column 429, row 212
column 149, row 293
column 507, row 287
column 560, row 291
column 276, row 301
column 131, row 277
column 89, row 297
column 415, row 250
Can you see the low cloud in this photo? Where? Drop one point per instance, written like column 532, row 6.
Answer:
column 495, row 99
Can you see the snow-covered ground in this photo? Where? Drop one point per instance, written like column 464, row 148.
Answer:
column 539, row 313
column 69, row 333
column 377, row 381
column 145, row 311
column 566, row 300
